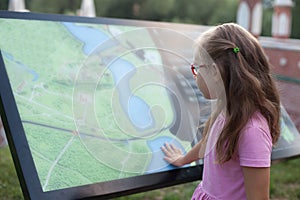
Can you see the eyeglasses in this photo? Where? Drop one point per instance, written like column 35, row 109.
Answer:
column 195, row 68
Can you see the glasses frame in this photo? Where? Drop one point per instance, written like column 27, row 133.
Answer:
column 195, row 68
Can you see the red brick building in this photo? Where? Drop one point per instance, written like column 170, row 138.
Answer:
column 282, row 51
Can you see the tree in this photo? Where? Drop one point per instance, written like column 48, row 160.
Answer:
column 200, row 12
column 54, row 6
column 116, row 8
column 4, row 4
column 296, row 20
column 225, row 12
column 267, row 21
column 157, row 10
column 267, row 18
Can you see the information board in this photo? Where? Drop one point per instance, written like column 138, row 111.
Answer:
column 87, row 104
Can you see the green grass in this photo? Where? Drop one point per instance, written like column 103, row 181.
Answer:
column 285, row 180
column 285, row 183
column 9, row 183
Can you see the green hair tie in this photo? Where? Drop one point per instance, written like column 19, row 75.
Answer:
column 236, row 50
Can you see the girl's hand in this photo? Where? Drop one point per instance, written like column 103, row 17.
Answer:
column 173, row 154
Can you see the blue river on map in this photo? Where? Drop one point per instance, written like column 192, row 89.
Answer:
column 90, row 36
column 135, row 107
column 21, row 65
column 157, row 163
column 137, row 110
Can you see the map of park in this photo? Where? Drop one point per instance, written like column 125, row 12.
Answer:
column 88, row 112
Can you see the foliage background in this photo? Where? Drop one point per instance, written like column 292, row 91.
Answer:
column 203, row 12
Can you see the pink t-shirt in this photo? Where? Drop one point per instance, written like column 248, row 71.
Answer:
column 226, row 181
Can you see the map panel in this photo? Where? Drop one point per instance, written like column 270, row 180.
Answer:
column 93, row 100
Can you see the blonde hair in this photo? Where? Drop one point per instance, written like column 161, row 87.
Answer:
column 247, row 82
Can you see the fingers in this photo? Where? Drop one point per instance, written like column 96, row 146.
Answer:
column 166, row 151
column 171, row 159
column 168, row 159
column 169, row 147
column 173, row 154
column 171, row 150
column 175, row 149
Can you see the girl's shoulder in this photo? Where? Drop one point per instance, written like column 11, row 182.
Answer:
column 256, row 128
column 257, row 120
column 255, row 142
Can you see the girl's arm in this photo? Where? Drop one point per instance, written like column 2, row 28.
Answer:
column 175, row 156
column 257, row 182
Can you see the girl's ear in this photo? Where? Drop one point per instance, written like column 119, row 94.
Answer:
column 216, row 73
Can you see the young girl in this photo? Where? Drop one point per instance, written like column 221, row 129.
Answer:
column 231, row 67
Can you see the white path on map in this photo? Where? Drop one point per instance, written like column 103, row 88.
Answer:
column 40, row 155
column 125, row 160
column 41, row 86
column 43, row 106
column 56, row 161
